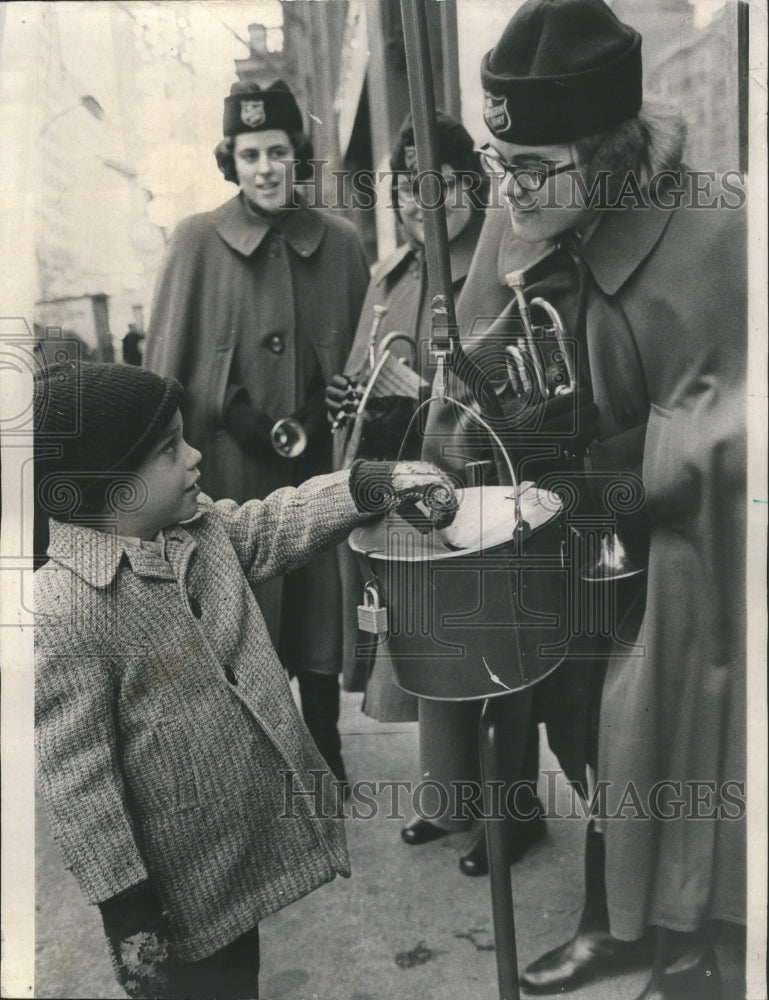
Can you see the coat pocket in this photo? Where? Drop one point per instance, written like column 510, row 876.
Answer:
column 160, row 768
column 670, row 478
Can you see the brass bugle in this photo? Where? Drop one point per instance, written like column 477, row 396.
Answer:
column 516, row 280
column 353, row 442
column 379, row 314
column 395, row 335
column 560, row 335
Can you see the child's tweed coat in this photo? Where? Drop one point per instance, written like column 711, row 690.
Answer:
column 164, row 718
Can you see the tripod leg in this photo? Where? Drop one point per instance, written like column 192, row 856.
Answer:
column 497, row 737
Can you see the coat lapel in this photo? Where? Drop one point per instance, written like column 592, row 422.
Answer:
column 244, row 230
column 95, row 556
column 621, row 242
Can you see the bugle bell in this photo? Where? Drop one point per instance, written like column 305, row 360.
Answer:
column 288, row 437
column 611, row 562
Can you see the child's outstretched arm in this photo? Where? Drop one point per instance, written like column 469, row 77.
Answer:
column 278, row 534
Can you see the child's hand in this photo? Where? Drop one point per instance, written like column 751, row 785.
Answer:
column 418, row 491
column 140, row 941
column 142, row 963
column 424, row 491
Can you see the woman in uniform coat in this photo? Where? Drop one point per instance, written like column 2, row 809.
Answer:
column 448, row 733
column 663, row 280
column 399, row 284
column 254, row 310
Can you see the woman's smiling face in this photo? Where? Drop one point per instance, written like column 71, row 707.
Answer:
column 553, row 209
column 264, row 163
column 457, row 199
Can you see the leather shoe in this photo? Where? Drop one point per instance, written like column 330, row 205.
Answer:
column 421, row 831
column 524, row 834
column 587, row 955
column 701, row 980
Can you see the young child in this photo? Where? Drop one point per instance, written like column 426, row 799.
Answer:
column 163, row 716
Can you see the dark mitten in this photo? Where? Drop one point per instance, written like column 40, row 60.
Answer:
column 139, row 938
column 418, row 491
column 250, row 428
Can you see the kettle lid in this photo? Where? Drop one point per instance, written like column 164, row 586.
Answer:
column 484, row 520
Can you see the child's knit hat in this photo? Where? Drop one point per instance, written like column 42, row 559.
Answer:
column 91, row 419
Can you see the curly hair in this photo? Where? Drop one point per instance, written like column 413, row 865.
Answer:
column 645, row 145
column 303, row 154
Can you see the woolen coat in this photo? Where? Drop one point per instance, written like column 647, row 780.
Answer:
column 399, row 283
column 269, row 306
column 164, row 719
column 666, row 338
column 667, row 335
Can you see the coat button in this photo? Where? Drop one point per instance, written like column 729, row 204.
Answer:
column 195, row 607
column 276, row 343
column 229, row 673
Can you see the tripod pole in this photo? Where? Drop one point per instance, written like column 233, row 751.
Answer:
column 494, row 741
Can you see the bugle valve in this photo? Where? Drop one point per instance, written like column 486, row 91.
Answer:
column 528, row 355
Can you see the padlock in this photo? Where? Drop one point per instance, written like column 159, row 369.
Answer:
column 371, row 617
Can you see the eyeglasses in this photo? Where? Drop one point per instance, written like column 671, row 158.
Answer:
column 528, row 176
column 409, row 188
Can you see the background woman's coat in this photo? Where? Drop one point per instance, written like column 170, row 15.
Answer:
column 270, row 306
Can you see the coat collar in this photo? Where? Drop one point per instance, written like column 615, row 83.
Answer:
column 621, row 242
column 95, row 556
column 244, row 230
column 460, row 253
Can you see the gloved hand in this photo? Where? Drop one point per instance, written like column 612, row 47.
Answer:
column 250, row 427
column 418, row 491
column 140, row 942
column 342, row 396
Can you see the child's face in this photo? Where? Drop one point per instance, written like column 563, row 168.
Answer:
column 171, row 476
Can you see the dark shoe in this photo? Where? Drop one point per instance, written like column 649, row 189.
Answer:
column 701, row 980
column 421, row 831
column 524, row 834
column 587, row 955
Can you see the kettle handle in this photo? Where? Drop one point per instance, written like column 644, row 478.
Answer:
column 521, row 527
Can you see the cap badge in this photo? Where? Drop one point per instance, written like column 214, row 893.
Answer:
column 495, row 112
column 252, row 113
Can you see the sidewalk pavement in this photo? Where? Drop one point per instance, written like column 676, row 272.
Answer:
column 407, row 925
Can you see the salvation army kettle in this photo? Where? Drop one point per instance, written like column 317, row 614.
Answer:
column 477, row 609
